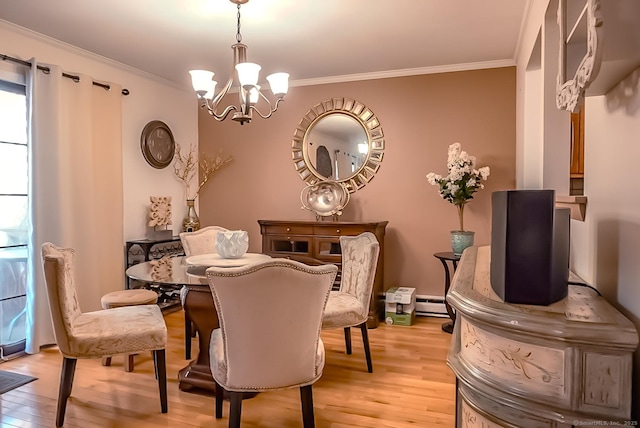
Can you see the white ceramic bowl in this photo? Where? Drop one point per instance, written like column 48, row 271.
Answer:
column 232, row 244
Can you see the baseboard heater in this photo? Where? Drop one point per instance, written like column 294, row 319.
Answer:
column 431, row 306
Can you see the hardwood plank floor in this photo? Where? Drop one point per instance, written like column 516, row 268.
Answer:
column 411, row 386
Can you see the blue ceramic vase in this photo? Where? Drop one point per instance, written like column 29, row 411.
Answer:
column 461, row 239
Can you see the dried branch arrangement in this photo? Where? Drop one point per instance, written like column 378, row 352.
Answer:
column 186, row 166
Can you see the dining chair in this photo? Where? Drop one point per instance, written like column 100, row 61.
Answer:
column 128, row 297
column 202, row 241
column 298, row 258
column 106, row 332
column 270, row 316
column 349, row 306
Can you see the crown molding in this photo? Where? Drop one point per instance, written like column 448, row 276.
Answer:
column 404, row 72
column 302, row 82
column 39, row 37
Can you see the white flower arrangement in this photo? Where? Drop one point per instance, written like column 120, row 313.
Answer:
column 462, row 181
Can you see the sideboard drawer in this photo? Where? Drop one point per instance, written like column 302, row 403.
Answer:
column 289, row 229
column 337, row 230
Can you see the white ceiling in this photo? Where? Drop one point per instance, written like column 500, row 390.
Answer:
column 313, row 40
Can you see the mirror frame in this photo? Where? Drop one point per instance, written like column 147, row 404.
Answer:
column 364, row 116
column 570, row 92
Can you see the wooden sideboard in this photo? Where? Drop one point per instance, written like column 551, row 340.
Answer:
column 321, row 240
column 564, row 365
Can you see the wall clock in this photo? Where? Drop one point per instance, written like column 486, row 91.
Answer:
column 157, row 143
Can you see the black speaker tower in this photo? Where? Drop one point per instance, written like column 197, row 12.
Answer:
column 529, row 247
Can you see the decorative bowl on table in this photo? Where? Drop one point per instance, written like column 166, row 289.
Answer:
column 326, row 198
column 232, row 244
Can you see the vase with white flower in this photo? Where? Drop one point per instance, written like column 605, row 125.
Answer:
column 462, row 181
column 185, row 168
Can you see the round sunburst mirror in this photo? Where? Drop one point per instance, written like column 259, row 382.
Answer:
column 340, row 140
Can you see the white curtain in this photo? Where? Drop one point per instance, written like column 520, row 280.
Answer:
column 76, row 191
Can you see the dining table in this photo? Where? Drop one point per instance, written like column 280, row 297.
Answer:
column 197, row 301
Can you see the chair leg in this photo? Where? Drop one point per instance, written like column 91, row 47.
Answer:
column 160, row 364
column 187, row 336
column 306, row 396
column 365, row 342
column 219, row 398
column 155, row 366
column 106, row 361
column 66, row 382
column 236, row 409
column 128, row 363
column 347, row 339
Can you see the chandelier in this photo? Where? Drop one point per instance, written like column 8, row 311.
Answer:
column 249, row 92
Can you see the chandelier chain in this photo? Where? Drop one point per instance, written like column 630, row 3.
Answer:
column 238, row 35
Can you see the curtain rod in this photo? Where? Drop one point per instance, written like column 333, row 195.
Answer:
column 47, row 70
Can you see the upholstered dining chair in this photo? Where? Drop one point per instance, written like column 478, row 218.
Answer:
column 299, row 258
column 273, row 341
column 125, row 330
column 202, row 241
column 349, row 306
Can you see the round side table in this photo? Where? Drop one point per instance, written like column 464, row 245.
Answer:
column 444, row 259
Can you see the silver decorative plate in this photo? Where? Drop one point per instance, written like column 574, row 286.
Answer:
column 325, row 198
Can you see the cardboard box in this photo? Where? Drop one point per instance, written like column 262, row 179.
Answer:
column 400, row 306
column 399, row 319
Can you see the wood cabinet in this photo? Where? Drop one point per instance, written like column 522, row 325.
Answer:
column 577, row 144
column 321, row 240
column 563, row 365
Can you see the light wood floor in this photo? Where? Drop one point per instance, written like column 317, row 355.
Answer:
column 411, row 386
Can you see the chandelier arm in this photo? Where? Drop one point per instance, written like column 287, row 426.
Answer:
column 272, row 109
column 216, row 100
column 213, row 104
column 244, row 105
column 222, row 116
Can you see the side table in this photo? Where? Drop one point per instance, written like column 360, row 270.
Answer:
column 149, row 249
column 444, row 259
column 143, row 250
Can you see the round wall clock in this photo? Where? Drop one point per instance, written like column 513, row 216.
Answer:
column 157, row 143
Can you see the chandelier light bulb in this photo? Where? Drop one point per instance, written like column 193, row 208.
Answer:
column 248, row 73
column 279, row 83
column 254, row 94
column 201, row 81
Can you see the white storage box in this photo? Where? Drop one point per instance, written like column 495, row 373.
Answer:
column 400, row 305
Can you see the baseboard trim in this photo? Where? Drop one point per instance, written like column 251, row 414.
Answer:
column 431, row 306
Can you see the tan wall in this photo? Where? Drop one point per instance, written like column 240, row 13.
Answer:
column 420, row 116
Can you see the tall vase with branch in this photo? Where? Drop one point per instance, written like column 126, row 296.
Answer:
column 462, row 181
column 185, row 168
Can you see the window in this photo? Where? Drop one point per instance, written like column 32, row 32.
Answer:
column 14, row 218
